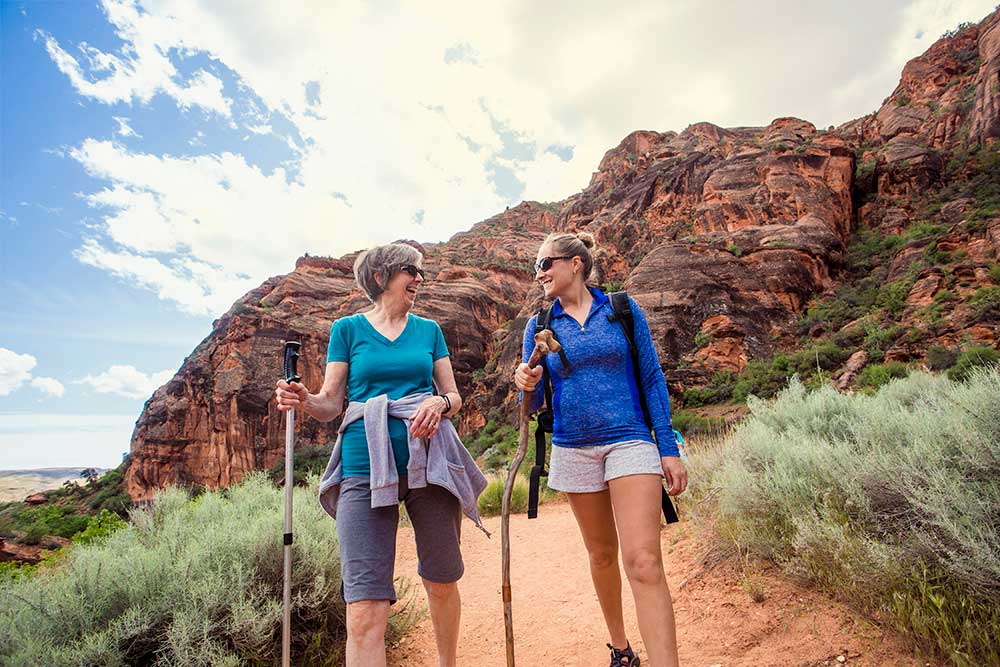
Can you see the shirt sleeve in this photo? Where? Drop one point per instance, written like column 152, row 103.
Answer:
column 339, row 348
column 440, row 346
column 654, row 385
column 537, row 397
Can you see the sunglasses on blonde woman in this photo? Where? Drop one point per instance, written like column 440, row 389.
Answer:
column 545, row 263
column 411, row 269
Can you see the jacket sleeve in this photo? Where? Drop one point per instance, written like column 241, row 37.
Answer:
column 654, row 385
column 537, row 397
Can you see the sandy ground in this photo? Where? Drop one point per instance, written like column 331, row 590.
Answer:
column 557, row 620
column 18, row 484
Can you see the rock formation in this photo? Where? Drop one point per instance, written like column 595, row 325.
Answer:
column 726, row 237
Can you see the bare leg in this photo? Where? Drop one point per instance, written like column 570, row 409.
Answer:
column 446, row 614
column 636, row 502
column 597, row 526
column 366, row 624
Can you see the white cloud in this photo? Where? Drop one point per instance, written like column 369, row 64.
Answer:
column 396, row 108
column 48, row 386
column 124, row 129
column 15, row 370
column 142, row 68
column 127, row 381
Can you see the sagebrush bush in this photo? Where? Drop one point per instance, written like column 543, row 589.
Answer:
column 971, row 359
column 189, row 582
column 888, row 500
column 491, row 500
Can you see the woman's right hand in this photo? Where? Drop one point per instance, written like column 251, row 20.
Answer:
column 290, row 396
column 526, row 379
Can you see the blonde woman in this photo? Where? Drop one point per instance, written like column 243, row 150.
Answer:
column 604, row 456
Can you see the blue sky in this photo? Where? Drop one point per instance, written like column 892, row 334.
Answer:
column 159, row 161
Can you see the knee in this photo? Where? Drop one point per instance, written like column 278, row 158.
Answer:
column 366, row 621
column 644, row 566
column 438, row 592
column 603, row 556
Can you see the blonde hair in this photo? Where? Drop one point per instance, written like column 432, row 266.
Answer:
column 575, row 245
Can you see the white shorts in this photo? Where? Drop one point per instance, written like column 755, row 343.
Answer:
column 588, row 469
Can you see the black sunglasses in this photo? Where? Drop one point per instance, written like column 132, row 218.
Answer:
column 545, row 263
column 412, row 269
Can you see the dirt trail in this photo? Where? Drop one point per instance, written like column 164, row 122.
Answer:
column 557, row 620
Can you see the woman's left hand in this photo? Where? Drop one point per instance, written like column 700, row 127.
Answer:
column 427, row 419
column 675, row 473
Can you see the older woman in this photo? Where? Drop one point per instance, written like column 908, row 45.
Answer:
column 604, row 456
column 395, row 443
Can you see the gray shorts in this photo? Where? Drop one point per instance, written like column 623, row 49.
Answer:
column 588, row 469
column 367, row 538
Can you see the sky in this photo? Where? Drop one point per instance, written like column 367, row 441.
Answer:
column 159, row 159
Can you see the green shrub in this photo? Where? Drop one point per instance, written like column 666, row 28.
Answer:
column 690, row 423
column 497, row 438
column 190, row 582
column 941, row 358
column 696, row 397
column 972, row 358
column 922, row 230
column 701, row 339
column 878, row 339
column 491, row 501
column 763, row 378
column 889, row 501
column 100, row 527
column 874, row 376
column 995, row 273
column 986, row 301
column 308, row 461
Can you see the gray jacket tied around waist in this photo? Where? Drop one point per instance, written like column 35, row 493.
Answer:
column 442, row 461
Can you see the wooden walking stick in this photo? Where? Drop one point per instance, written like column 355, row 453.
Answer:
column 545, row 342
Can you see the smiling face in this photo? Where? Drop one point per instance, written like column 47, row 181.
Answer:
column 403, row 285
column 561, row 276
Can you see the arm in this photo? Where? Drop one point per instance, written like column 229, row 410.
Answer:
column 325, row 405
column 654, row 385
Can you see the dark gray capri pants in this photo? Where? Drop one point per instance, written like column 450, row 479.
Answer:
column 367, row 538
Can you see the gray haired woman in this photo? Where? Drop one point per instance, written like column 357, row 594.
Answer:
column 395, row 443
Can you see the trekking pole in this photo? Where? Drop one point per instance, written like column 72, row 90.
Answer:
column 291, row 375
column 545, row 342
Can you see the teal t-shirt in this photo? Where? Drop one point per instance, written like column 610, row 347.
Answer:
column 378, row 366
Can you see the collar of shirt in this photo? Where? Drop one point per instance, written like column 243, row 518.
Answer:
column 600, row 298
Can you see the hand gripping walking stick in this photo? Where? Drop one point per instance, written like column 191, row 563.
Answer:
column 291, row 375
column 545, row 342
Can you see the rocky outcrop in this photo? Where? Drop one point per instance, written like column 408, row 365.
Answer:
column 725, row 236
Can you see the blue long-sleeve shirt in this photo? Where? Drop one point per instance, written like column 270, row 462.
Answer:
column 597, row 401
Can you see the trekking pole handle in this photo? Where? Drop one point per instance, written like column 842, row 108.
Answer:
column 292, row 361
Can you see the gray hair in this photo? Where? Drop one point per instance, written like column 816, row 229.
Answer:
column 381, row 261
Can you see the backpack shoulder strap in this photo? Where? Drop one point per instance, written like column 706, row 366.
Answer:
column 622, row 313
